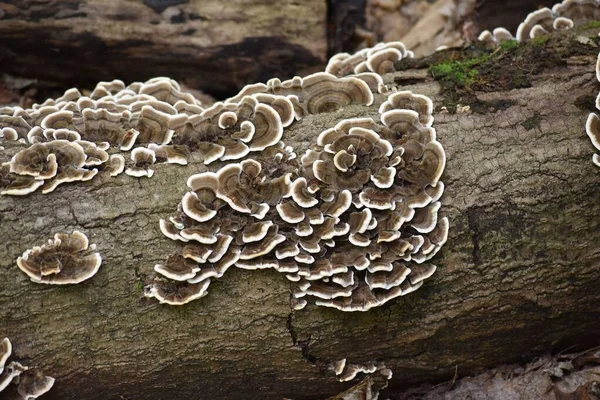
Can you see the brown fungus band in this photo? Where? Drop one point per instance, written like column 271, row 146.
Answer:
column 353, row 223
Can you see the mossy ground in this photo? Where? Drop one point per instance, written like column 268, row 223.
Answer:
column 463, row 72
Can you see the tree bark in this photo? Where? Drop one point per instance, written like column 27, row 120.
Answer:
column 518, row 275
column 210, row 44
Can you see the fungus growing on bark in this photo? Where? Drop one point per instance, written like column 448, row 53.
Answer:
column 33, row 383
column 579, row 11
column 5, row 352
column 592, row 129
column 11, row 372
column 16, row 185
column 322, row 92
column 55, row 162
column 17, row 124
column 345, row 371
column 382, row 62
column 562, row 23
column 176, row 293
column 142, row 159
column 8, row 134
column 592, row 126
column 379, row 59
column 542, row 18
column 392, row 216
column 541, row 22
column 68, row 259
column 116, row 164
column 229, row 131
column 223, row 221
column 352, row 223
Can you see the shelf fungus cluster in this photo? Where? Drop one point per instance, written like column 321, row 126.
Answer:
column 592, row 126
column 75, row 137
column 313, row 94
column 66, row 259
column 379, row 59
column 345, row 371
column 353, row 222
column 28, row 383
column 541, row 22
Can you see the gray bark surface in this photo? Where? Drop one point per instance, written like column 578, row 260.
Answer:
column 519, row 273
column 218, row 46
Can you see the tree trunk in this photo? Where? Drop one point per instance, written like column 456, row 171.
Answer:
column 518, row 275
column 210, row 44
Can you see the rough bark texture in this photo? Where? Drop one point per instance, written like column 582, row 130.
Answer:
column 518, row 275
column 210, row 44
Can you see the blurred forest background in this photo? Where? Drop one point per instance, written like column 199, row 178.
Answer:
column 216, row 47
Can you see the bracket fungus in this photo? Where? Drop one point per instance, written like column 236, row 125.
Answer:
column 68, row 259
column 158, row 123
column 345, row 371
column 592, row 126
column 562, row 16
column 70, row 134
column 353, row 223
column 317, row 93
column 31, row 382
column 379, row 59
column 496, row 37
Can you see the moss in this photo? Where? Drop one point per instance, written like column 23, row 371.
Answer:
column 589, row 25
column 454, row 72
column 139, row 287
column 457, row 77
column 463, row 72
column 509, row 45
column 539, row 41
column 532, row 122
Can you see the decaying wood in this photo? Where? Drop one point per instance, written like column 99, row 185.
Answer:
column 518, row 275
column 210, row 44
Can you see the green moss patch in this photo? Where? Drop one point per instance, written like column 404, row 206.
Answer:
column 462, row 72
column 532, row 122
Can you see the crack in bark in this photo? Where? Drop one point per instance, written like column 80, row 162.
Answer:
column 303, row 345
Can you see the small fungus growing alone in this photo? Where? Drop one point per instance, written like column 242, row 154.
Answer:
column 68, row 259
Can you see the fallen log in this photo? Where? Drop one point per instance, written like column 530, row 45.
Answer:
column 216, row 46
column 518, row 275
